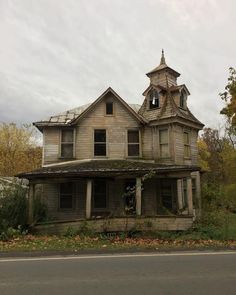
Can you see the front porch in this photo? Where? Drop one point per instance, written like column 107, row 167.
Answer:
column 117, row 195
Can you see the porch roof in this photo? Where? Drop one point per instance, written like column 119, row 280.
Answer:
column 103, row 168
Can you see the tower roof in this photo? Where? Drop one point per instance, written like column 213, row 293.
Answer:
column 163, row 66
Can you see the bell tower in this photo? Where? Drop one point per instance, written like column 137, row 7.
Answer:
column 163, row 75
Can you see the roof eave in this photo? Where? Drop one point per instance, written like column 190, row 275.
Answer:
column 159, row 70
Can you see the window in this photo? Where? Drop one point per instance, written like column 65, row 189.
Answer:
column 99, row 194
column 66, row 196
column 167, row 200
column 164, row 143
column 109, row 108
column 100, row 142
column 186, row 145
column 166, row 194
column 67, row 143
column 154, row 101
column 182, row 99
column 133, row 143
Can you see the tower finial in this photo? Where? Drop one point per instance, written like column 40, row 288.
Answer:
column 163, row 61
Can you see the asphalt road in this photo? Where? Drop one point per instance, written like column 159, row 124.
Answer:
column 176, row 273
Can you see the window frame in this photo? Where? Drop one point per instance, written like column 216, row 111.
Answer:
column 133, row 143
column 72, row 194
column 187, row 146
column 94, row 209
column 150, row 99
column 162, row 144
column 99, row 142
column 182, row 99
column 67, row 143
column 106, row 103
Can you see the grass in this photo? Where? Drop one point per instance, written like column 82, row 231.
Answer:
column 201, row 237
column 78, row 243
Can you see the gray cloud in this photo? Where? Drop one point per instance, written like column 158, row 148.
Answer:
column 59, row 54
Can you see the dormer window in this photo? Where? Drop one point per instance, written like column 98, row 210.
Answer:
column 154, row 101
column 182, row 99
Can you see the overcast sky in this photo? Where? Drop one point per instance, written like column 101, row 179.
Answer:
column 59, row 54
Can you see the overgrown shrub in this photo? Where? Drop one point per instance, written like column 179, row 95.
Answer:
column 13, row 208
column 14, row 211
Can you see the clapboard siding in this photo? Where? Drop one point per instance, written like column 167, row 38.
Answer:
column 51, row 199
column 116, row 126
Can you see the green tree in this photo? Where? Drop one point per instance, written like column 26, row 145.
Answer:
column 229, row 96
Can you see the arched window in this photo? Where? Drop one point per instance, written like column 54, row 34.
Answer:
column 154, row 100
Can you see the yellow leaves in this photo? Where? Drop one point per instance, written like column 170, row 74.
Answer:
column 204, row 155
column 18, row 149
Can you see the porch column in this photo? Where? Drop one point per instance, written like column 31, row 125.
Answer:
column 88, row 198
column 190, row 196
column 198, row 194
column 138, row 196
column 31, row 203
column 180, row 193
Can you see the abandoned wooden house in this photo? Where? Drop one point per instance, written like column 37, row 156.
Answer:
column 118, row 166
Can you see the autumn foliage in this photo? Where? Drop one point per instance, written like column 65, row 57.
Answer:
column 19, row 151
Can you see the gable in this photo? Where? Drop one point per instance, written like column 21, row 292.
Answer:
column 112, row 95
column 96, row 116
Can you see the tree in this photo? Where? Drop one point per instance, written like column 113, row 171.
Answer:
column 19, row 151
column 217, row 156
column 229, row 96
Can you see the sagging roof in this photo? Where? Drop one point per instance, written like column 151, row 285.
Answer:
column 69, row 117
column 102, row 168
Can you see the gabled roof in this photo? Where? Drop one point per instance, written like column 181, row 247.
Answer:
column 70, row 117
column 151, row 86
column 132, row 110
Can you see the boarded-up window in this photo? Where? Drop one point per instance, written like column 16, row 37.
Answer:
column 66, row 195
column 67, row 143
column 133, row 143
column 100, row 142
column 164, row 143
column 99, row 194
column 109, row 108
column 186, row 145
